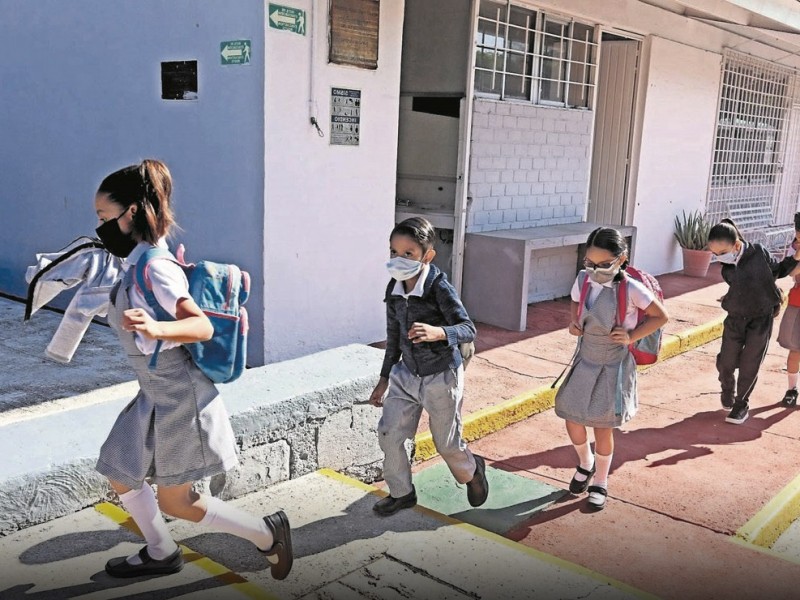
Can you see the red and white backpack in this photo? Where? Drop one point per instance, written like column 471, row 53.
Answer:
column 645, row 351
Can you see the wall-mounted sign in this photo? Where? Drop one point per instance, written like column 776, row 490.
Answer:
column 179, row 80
column 354, row 32
column 345, row 117
column 235, row 52
column 287, row 18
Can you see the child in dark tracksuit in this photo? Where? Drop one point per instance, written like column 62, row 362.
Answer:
column 423, row 368
column 752, row 302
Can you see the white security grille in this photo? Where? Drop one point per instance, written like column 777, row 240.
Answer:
column 754, row 139
column 528, row 55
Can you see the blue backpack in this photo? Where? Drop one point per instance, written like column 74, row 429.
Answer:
column 219, row 290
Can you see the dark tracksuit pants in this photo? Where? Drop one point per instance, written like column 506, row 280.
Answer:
column 744, row 346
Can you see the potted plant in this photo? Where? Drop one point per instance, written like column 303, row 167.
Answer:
column 691, row 231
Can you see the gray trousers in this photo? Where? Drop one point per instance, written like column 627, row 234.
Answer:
column 744, row 345
column 440, row 394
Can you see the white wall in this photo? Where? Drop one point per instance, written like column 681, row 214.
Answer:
column 329, row 209
column 81, row 98
column 676, row 148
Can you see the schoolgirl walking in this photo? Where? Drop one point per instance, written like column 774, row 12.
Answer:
column 176, row 430
column 752, row 303
column 599, row 391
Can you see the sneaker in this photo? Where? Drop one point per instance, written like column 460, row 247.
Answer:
column 726, row 400
column 390, row 505
column 738, row 415
column 790, row 398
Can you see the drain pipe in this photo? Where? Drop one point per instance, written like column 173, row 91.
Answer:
column 312, row 55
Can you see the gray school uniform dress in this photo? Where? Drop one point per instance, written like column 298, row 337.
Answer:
column 176, row 430
column 600, row 389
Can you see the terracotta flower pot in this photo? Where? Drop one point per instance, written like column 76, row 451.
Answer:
column 696, row 262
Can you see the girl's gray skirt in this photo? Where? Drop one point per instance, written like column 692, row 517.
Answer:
column 176, row 430
column 789, row 333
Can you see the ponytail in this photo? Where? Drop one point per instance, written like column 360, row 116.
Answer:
column 727, row 231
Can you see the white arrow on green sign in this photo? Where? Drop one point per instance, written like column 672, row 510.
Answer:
column 235, row 52
column 287, row 18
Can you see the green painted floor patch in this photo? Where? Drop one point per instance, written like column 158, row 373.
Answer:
column 512, row 498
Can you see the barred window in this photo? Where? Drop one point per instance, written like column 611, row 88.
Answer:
column 528, row 55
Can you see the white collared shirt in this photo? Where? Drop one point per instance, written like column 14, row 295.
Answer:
column 419, row 287
column 169, row 285
column 639, row 297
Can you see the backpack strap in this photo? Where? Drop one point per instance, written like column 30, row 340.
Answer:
column 147, row 291
column 622, row 300
column 584, row 294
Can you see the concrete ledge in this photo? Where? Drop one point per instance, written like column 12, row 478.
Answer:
column 290, row 419
column 770, row 522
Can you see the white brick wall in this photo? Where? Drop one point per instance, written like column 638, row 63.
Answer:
column 529, row 165
column 553, row 272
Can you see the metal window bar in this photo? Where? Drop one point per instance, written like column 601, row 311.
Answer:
column 750, row 148
column 509, row 82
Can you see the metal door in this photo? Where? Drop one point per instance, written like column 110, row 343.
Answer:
column 611, row 151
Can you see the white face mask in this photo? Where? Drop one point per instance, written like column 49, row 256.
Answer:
column 401, row 268
column 603, row 275
column 730, row 258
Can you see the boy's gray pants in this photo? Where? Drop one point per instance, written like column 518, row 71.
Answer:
column 440, row 394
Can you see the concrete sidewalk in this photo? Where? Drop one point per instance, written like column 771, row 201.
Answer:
column 342, row 550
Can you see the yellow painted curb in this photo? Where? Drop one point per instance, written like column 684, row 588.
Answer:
column 491, row 419
column 232, row 580
column 499, row 539
column 770, row 522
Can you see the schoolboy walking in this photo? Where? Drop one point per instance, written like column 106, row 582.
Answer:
column 422, row 368
column 599, row 390
column 176, row 430
column 752, row 303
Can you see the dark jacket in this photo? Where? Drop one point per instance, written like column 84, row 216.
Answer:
column 753, row 292
column 438, row 306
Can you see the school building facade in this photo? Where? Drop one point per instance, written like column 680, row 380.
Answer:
column 299, row 131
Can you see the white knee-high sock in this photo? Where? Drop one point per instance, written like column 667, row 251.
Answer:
column 142, row 506
column 585, row 457
column 229, row 519
column 603, row 467
column 792, row 380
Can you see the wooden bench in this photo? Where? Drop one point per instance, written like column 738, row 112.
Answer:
column 497, row 268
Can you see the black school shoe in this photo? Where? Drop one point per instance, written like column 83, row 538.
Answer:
column 578, row 487
column 790, row 398
column 597, row 497
column 738, row 415
column 120, row 567
column 390, row 505
column 478, row 486
column 280, row 556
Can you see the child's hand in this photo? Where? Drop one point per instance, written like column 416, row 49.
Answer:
column 376, row 397
column 137, row 319
column 621, row 336
column 575, row 329
column 420, row 332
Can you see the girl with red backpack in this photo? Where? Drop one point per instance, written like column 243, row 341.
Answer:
column 599, row 391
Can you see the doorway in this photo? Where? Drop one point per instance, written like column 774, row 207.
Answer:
column 614, row 113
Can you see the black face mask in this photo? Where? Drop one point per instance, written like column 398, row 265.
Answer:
column 117, row 243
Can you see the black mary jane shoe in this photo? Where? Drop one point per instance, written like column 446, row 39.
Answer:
column 478, row 487
column 597, row 497
column 790, row 398
column 120, row 567
column 389, row 505
column 280, row 556
column 578, row 487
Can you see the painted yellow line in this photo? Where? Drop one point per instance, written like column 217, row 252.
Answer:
column 216, row 570
column 491, row 419
column 770, row 522
column 499, row 539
